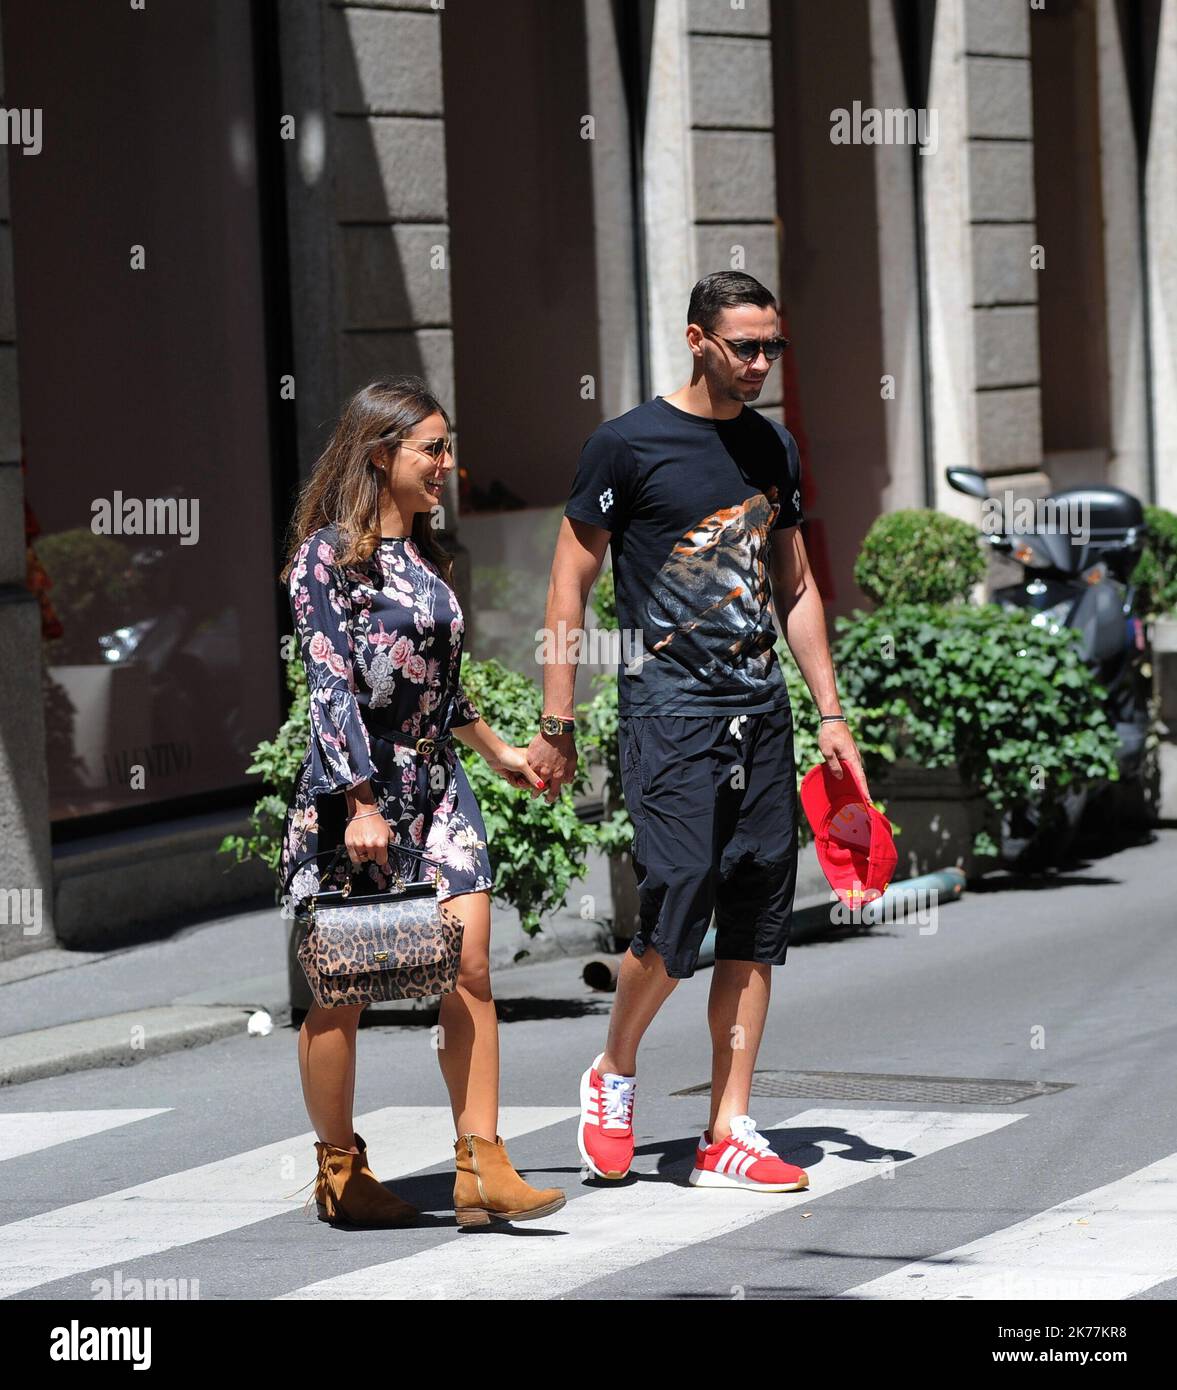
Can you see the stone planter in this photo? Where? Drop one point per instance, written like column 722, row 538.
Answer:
column 623, row 888
column 1164, row 648
column 938, row 816
column 623, row 883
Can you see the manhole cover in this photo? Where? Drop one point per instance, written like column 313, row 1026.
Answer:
column 865, row 1085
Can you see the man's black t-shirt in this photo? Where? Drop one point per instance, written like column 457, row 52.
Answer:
column 690, row 502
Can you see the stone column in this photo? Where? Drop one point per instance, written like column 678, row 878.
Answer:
column 1124, row 322
column 613, row 215
column 26, row 872
column 1161, row 212
column 367, row 211
column 709, row 175
column 899, row 308
column 979, row 215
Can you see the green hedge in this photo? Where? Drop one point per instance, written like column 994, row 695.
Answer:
column 919, row 557
column 1156, row 574
column 538, row 849
column 1011, row 704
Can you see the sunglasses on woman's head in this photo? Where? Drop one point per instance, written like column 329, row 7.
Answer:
column 748, row 349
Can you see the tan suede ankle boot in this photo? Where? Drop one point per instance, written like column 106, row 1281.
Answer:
column 487, row 1188
column 348, row 1193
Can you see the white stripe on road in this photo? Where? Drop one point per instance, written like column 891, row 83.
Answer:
column 1111, row 1243
column 28, row 1131
column 225, row 1195
column 617, row 1228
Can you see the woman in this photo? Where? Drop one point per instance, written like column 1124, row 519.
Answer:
column 381, row 637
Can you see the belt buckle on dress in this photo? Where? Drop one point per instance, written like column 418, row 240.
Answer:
column 425, row 746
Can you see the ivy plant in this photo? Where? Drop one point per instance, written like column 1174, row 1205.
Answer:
column 538, row 849
column 1011, row 704
column 278, row 761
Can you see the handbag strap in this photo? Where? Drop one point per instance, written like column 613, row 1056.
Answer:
column 340, row 852
column 397, row 737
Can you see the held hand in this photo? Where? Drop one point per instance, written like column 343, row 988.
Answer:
column 512, row 764
column 837, row 746
column 367, row 838
column 553, row 758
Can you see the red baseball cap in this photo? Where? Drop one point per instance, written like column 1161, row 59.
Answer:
column 855, row 847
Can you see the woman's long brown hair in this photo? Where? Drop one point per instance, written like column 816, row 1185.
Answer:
column 343, row 488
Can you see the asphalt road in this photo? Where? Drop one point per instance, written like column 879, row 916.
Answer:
column 1072, row 1193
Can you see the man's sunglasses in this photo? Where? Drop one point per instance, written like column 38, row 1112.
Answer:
column 749, row 349
column 435, row 448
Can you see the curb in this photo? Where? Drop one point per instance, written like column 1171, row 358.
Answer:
column 813, row 920
column 118, row 1040
column 947, row 884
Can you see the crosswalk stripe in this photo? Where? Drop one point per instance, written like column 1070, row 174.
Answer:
column 28, row 1131
column 611, row 1230
column 225, row 1195
column 1110, row 1243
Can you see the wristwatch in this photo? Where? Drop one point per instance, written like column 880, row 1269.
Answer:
column 553, row 724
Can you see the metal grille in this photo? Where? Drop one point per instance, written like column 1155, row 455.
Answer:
column 865, row 1085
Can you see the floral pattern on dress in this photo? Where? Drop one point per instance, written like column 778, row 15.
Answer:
column 381, row 642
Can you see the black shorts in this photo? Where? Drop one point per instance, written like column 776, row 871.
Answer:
column 715, row 829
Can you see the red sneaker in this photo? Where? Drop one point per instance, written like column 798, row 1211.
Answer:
column 744, row 1159
column 605, row 1133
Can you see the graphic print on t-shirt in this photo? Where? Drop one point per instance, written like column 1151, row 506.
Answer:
column 711, row 594
column 691, row 503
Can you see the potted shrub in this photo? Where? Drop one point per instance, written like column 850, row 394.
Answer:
column 990, row 717
column 597, row 745
column 984, row 711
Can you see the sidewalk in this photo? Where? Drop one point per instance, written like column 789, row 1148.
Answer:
column 64, row 1011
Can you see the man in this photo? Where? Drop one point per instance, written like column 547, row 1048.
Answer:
column 699, row 497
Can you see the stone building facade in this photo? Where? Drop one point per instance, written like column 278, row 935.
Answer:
column 257, row 207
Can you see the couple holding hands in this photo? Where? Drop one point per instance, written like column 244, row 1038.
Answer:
column 699, row 498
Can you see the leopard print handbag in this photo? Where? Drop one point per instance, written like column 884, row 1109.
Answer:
column 404, row 944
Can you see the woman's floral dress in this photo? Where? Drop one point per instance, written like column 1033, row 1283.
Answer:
column 382, row 645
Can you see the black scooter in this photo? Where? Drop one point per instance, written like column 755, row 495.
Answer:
column 1078, row 548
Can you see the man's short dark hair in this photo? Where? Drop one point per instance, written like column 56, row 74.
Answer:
column 724, row 290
